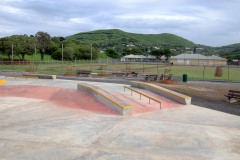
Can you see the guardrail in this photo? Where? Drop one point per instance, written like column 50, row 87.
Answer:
column 143, row 94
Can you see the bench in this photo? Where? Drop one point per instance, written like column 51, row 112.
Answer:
column 233, row 94
column 134, row 74
column 84, row 73
column 150, row 77
column 125, row 73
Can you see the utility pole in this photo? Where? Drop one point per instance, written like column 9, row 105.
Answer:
column 35, row 51
column 12, row 57
column 62, row 57
column 91, row 56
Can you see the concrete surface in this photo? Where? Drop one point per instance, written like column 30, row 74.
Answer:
column 37, row 129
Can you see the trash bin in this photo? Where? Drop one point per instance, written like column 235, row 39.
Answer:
column 184, row 79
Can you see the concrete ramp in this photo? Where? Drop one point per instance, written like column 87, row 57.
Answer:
column 108, row 99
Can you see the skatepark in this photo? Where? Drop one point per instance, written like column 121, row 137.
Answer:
column 57, row 119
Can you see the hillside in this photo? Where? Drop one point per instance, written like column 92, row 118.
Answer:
column 119, row 40
column 114, row 37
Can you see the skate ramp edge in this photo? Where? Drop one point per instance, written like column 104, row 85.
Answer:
column 108, row 99
column 175, row 96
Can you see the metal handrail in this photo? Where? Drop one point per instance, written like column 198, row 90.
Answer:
column 140, row 93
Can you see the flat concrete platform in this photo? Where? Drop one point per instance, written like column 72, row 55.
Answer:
column 33, row 128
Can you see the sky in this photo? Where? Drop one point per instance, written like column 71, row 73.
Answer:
column 207, row 22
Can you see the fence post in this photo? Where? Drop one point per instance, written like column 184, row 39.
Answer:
column 228, row 72
column 203, row 71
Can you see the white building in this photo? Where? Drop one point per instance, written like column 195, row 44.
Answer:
column 197, row 59
column 140, row 58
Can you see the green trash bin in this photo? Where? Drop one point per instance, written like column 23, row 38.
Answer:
column 184, row 79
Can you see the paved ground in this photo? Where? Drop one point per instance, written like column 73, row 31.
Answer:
column 39, row 129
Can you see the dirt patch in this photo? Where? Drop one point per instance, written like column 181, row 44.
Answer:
column 30, row 70
column 69, row 74
column 207, row 94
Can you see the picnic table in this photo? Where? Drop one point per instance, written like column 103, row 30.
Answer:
column 233, row 94
column 125, row 73
column 153, row 77
column 84, row 73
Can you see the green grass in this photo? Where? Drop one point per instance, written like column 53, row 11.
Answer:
column 56, row 67
column 32, row 57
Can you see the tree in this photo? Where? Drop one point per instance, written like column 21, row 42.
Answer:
column 167, row 53
column 84, row 52
column 24, row 45
column 158, row 53
column 133, row 51
column 6, row 46
column 19, row 44
column 53, row 47
column 44, row 40
column 111, row 53
column 68, row 54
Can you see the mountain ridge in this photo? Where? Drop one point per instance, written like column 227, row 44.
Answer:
column 119, row 40
column 119, row 36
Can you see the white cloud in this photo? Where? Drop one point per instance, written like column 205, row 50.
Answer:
column 206, row 22
column 79, row 20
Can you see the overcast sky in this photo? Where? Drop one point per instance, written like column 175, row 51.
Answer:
column 208, row 22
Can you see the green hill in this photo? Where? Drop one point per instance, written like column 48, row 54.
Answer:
column 114, row 37
column 120, row 39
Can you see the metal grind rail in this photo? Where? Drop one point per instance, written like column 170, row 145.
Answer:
column 142, row 94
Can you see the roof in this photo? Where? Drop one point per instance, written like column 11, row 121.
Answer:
column 134, row 56
column 142, row 56
column 196, row 56
column 216, row 57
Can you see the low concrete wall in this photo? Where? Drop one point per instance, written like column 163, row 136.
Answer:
column 178, row 97
column 107, row 98
column 42, row 76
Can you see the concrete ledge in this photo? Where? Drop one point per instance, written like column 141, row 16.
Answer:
column 42, row 76
column 178, row 97
column 2, row 81
column 21, row 76
column 106, row 98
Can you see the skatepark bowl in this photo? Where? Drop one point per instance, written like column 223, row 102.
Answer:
column 59, row 119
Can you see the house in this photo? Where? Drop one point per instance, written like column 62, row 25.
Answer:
column 133, row 58
column 197, row 59
column 140, row 58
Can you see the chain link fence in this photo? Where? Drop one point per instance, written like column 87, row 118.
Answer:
column 107, row 66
